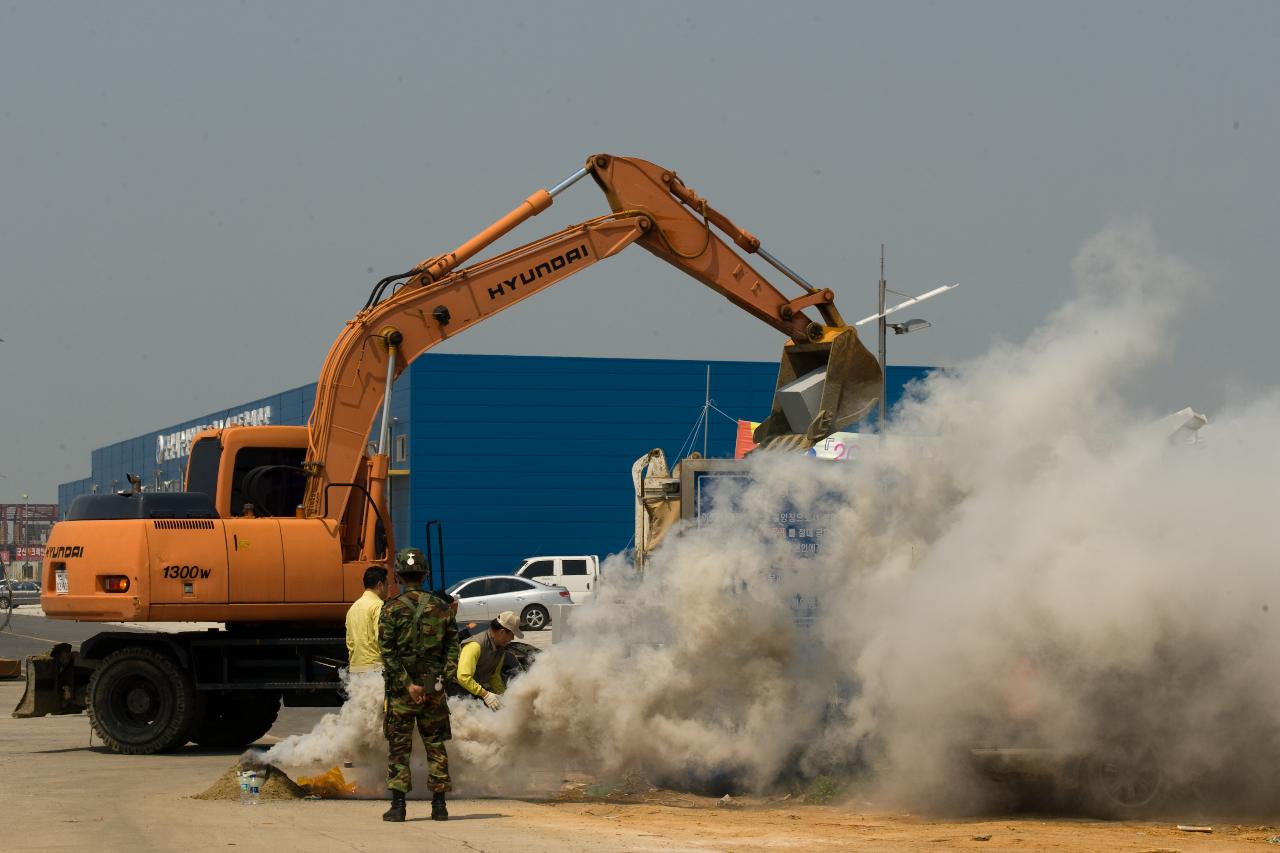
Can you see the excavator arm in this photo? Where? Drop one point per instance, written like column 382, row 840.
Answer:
column 439, row 299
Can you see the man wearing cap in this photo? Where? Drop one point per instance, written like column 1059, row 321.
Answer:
column 419, row 641
column 480, row 663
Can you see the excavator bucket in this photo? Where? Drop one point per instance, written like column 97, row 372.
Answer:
column 823, row 387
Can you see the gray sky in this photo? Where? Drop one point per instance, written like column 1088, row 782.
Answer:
column 196, row 196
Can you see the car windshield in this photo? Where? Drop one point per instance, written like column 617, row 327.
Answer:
column 537, row 568
column 470, row 588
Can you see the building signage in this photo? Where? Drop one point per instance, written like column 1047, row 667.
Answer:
column 21, row 553
column 177, row 445
column 842, row 445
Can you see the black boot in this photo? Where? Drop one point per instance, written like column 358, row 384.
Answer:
column 438, row 810
column 396, row 812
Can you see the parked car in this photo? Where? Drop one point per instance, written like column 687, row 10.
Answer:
column 14, row 593
column 482, row 599
column 579, row 574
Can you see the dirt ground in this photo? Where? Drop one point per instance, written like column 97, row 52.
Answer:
column 58, row 792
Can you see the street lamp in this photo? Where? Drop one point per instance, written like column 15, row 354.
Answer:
column 898, row 328
column 909, row 326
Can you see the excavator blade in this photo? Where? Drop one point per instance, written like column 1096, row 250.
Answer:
column 50, row 684
column 823, row 387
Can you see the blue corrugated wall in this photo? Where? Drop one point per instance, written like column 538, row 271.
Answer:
column 532, row 455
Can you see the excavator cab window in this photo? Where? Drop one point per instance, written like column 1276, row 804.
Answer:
column 270, row 478
column 202, row 468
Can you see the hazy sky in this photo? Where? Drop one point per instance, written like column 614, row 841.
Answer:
column 196, row 196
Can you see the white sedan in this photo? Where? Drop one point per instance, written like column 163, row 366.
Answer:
column 482, row 599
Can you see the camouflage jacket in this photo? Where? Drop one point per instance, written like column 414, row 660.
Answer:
column 412, row 656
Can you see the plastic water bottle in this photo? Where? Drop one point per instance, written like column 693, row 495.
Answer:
column 250, row 787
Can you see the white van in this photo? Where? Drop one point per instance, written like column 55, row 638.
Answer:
column 577, row 574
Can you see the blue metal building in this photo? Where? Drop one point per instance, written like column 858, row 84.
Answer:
column 516, row 455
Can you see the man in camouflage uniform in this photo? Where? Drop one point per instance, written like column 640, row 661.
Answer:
column 419, row 640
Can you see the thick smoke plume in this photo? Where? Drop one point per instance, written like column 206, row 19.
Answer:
column 353, row 734
column 1026, row 560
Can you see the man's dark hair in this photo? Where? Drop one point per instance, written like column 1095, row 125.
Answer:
column 373, row 576
column 495, row 625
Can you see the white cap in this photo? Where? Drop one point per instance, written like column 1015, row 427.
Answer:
column 511, row 622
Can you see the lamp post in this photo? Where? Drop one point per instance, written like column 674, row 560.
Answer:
column 898, row 329
column 22, row 539
column 884, row 360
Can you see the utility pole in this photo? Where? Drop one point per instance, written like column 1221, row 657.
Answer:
column 22, row 538
column 884, row 381
column 706, row 413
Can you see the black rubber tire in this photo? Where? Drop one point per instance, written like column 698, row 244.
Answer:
column 5, row 602
column 1123, row 787
column 236, row 719
column 535, row 617
column 140, row 702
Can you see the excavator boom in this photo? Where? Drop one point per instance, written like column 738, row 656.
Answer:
column 651, row 207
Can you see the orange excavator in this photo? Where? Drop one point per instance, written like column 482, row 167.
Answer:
column 278, row 523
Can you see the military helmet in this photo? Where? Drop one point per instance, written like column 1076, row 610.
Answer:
column 409, row 561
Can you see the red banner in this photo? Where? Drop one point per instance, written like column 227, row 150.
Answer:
column 745, row 443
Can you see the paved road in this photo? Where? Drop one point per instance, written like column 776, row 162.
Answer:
column 62, row 791
column 30, row 633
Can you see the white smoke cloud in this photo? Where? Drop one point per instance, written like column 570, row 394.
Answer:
column 351, row 734
column 1025, row 562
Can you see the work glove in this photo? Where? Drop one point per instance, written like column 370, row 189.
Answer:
column 491, row 699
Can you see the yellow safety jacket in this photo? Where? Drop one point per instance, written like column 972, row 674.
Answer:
column 363, row 651
column 469, row 659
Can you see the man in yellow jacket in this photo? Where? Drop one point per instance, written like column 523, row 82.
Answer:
column 363, row 652
column 480, row 663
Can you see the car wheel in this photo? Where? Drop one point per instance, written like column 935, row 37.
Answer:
column 5, row 602
column 535, row 617
column 140, row 703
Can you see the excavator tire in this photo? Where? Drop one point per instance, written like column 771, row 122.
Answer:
column 1123, row 786
column 236, row 719
column 140, row 702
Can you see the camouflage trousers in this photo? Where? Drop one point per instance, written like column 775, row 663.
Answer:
column 432, row 722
